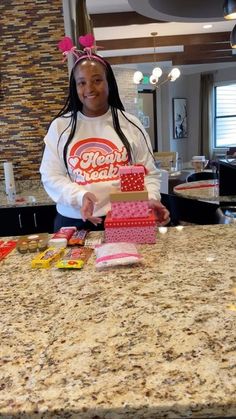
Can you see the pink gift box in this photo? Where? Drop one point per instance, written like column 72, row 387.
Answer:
column 131, row 234
column 124, row 170
column 129, row 209
column 133, row 230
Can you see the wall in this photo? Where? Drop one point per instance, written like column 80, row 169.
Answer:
column 34, row 80
column 127, row 89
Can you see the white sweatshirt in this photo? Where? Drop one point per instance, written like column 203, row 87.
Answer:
column 93, row 159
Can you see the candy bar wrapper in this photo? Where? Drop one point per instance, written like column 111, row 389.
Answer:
column 47, row 258
column 6, row 247
column 94, row 238
column 78, row 238
column 32, row 243
column 74, row 258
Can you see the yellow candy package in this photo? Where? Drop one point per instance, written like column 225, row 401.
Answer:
column 47, row 258
column 74, row 258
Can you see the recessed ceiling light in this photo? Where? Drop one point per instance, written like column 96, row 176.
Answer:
column 207, row 26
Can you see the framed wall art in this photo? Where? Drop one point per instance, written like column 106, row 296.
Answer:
column 180, row 118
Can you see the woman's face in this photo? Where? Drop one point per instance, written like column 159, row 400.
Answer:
column 92, row 87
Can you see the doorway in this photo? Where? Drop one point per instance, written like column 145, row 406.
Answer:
column 147, row 111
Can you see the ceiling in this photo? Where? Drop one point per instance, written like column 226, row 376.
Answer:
column 123, row 28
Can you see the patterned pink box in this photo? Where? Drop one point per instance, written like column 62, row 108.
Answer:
column 131, row 234
column 129, row 209
column 134, row 230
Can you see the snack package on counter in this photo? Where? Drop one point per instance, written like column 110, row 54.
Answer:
column 94, row 238
column 74, row 258
column 78, row 238
column 47, row 258
column 115, row 254
column 61, row 237
column 6, row 247
column 32, row 243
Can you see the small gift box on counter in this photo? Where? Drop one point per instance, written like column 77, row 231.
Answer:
column 129, row 204
column 134, row 230
column 132, row 178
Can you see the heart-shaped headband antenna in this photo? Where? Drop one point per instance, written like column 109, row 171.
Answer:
column 89, row 51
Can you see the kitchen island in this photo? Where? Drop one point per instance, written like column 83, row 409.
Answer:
column 149, row 341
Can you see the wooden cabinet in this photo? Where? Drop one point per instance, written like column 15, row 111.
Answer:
column 27, row 220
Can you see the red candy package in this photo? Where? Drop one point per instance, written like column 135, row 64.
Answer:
column 78, row 238
column 6, row 247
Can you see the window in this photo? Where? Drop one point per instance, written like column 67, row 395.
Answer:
column 225, row 116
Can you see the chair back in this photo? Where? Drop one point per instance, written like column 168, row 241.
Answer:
column 231, row 151
column 193, row 177
column 183, row 209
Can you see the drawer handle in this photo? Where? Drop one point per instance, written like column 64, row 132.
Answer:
column 20, row 223
column 35, row 220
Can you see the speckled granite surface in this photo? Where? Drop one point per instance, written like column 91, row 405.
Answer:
column 28, row 193
column 203, row 190
column 153, row 341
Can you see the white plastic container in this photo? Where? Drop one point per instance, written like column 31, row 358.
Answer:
column 164, row 180
column 11, row 195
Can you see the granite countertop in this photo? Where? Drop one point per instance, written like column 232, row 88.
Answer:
column 153, row 341
column 204, row 190
column 28, row 193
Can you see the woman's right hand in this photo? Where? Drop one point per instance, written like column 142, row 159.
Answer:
column 89, row 201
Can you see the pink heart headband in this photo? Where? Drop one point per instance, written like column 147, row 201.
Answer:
column 67, row 47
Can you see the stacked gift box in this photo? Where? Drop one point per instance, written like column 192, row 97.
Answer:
column 130, row 219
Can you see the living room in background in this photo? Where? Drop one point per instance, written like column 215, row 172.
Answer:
column 180, row 117
column 147, row 114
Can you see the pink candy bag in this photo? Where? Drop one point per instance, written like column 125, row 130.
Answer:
column 115, row 254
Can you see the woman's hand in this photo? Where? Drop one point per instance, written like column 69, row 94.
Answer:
column 89, row 201
column 162, row 213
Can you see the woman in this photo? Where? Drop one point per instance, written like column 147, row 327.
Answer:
column 87, row 142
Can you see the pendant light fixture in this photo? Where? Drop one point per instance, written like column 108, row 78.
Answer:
column 229, row 9
column 157, row 71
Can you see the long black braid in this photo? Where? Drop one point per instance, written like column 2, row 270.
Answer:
column 73, row 105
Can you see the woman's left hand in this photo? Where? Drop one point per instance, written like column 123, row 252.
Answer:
column 162, row 213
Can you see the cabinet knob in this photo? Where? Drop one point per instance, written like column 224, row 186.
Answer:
column 20, row 223
column 35, row 220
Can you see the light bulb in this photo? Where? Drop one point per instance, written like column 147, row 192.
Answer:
column 229, row 9
column 157, row 72
column 233, row 38
column 137, row 77
column 153, row 79
column 174, row 74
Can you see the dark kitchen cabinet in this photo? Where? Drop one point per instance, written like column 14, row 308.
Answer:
column 17, row 221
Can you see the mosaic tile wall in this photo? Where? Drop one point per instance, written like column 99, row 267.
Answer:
column 35, row 81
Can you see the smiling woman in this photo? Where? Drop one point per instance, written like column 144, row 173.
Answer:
column 88, row 142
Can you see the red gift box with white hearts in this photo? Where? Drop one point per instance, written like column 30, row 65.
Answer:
column 132, row 178
column 111, row 222
column 133, row 230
